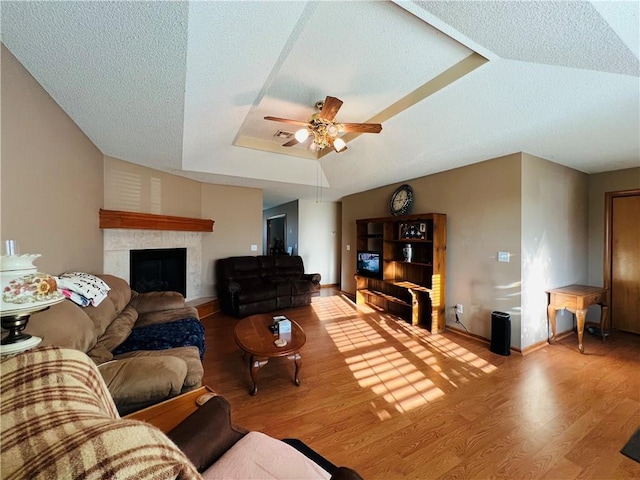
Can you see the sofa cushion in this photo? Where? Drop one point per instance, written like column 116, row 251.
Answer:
column 289, row 266
column 99, row 354
column 63, row 325
column 165, row 316
column 258, row 456
column 118, row 330
column 155, row 301
column 190, row 355
column 138, row 382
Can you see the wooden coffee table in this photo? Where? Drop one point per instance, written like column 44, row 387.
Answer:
column 253, row 336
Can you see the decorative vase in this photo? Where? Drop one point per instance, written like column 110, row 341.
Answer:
column 407, row 253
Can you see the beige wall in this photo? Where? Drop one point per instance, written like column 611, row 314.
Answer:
column 52, row 177
column 54, row 181
column 134, row 188
column 237, row 212
column 554, row 240
column 483, row 205
column 319, row 227
column 599, row 184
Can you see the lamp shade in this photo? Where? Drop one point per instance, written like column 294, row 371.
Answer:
column 24, row 289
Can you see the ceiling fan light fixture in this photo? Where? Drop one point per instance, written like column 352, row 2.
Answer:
column 339, row 145
column 323, row 128
column 302, row 134
column 333, row 130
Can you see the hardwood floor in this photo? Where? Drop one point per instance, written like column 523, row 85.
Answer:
column 393, row 401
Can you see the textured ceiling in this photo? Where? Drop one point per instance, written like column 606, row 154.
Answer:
column 183, row 86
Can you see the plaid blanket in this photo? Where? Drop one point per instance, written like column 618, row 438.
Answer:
column 59, row 421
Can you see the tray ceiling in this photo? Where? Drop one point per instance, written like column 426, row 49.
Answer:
column 183, row 86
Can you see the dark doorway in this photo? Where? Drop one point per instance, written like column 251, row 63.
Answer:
column 159, row 270
column 276, row 235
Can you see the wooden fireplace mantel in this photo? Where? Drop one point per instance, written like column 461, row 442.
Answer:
column 150, row 221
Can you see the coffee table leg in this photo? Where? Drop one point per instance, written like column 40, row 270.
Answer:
column 255, row 364
column 297, row 360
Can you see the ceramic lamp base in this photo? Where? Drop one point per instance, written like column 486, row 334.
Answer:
column 11, row 348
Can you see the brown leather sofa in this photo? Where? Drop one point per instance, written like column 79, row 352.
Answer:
column 136, row 377
column 265, row 283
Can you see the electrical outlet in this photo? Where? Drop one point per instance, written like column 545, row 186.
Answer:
column 459, row 308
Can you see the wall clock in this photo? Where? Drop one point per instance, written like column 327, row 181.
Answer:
column 401, row 200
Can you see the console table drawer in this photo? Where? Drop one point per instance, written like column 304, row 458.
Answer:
column 561, row 300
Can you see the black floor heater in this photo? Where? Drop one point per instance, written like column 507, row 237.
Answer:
column 501, row 333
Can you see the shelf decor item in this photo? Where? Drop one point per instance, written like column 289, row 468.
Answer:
column 401, row 200
column 412, row 231
column 407, row 253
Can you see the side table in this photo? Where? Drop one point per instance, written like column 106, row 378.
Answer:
column 577, row 299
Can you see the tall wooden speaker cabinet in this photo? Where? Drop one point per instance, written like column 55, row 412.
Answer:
column 411, row 279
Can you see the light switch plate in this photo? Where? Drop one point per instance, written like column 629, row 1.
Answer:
column 503, row 257
column 254, row 248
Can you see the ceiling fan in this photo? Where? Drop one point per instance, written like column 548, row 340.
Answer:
column 321, row 128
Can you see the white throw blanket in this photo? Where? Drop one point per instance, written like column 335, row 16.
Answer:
column 83, row 288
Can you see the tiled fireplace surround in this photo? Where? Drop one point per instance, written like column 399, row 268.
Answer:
column 118, row 243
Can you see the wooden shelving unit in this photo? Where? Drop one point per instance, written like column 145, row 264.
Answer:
column 412, row 290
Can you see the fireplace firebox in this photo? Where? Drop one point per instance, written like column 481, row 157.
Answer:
column 159, row 270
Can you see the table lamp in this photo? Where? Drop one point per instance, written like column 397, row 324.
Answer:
column 24, row 292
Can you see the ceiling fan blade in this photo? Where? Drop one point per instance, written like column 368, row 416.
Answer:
column 330, row 108
column 361, row 127
column 286, row 120
column 294, row 142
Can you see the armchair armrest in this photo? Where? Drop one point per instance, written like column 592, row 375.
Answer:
column 206, row 434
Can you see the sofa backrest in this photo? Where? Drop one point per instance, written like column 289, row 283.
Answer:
column 288, row 266
column 64, row 325
column 68, row 325
column 248, row 269
column 117, row 298
column 238, row 269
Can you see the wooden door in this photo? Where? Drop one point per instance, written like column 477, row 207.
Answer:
column 623, row 255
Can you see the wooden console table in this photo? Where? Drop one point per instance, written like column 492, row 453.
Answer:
column 577, row 299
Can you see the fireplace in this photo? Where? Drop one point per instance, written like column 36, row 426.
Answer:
column 159, row 270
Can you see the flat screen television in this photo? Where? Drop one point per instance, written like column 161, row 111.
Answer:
column 368, row 264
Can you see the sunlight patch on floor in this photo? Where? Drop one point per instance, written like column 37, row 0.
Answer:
column 394, row 358
column 384, row 369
